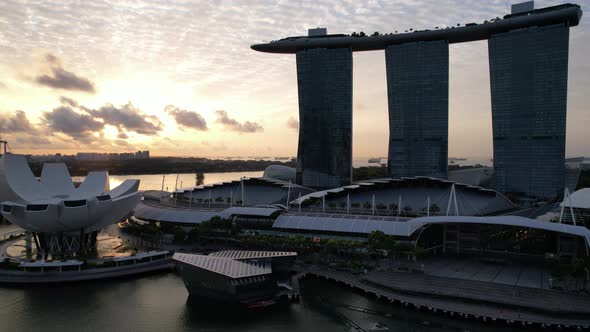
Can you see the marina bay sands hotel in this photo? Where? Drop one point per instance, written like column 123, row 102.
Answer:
column 528, row 61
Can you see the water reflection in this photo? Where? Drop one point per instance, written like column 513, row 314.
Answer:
column 154, row 181
column 160, row 302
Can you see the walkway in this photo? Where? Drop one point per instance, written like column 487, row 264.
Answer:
column 481, row 310
column 542, row 300
column 522, row 275
column 28, row 277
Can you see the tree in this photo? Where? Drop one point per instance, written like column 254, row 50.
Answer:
column 376, row 33
column 407, row 209
column 219, row 199
column 393, row 207
column 199, row 179
column 377, row 240
column 179, row 234
column 420, row 252
column 367, row 205
column 205, row 229
column 434, row 209
column 194, row 234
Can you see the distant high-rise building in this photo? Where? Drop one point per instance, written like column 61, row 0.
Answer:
column 528, row 72
column 324, row 80
column 112, row 156
column 418, row 98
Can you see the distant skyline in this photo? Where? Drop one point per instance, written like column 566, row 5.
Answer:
column 179, row 78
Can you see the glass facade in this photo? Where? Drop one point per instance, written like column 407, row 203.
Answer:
column 324, row 80
column 528, row 72
column 418, row 98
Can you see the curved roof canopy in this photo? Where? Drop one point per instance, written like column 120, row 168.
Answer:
column 415, row 192
column 578, row 200
column 53, row 204
column 406, row 228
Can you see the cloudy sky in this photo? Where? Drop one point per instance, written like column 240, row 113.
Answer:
column 178, row 77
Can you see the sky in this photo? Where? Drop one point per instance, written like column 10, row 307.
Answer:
column 178, row 78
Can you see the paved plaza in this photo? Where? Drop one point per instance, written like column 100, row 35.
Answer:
column 476, row 270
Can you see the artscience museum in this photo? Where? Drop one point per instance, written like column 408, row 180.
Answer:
column 63, row 219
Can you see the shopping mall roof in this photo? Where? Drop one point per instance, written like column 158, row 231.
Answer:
column 404, row 182
column 342, row 224
column 260, row 180
column 248, row 211
column 153, row 212
column 162, row 213
column 349, row 224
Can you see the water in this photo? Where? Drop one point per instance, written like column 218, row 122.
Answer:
column 159, row 302
column 154, row 181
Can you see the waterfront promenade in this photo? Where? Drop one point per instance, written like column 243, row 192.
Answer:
column 411, row 289
column 36, row 277
column 536, row 299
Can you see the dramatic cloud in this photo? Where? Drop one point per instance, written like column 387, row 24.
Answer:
column 137, row 51
column 59, row 78
column 127, row 118
column 234, row 125
column 17, row 123
column 68, row 101
column 65, row 120
column 32, row 140
column 122, row 136
column 187, row 119
column 293, row 123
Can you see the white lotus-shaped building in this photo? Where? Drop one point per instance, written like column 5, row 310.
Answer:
column 52, row 204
